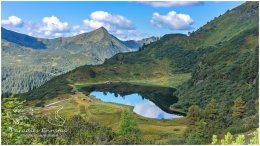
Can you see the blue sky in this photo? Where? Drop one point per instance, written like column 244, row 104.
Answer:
column 126, row 20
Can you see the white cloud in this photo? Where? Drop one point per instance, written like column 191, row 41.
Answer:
column 117, row 25
column 76, row 27
column 102, row 18
column 92, row 24
column 12, row 21
column 58, row 34
column 172, row 21
column 30, row 33
column 52, row 26
column 169, row 3
column 49, row 28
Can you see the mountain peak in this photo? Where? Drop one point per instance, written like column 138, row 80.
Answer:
column 98, row 34
column 101, row 30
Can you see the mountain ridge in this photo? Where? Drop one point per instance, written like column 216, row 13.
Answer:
column 51, row 57
column 15, row 37
column 139, row 43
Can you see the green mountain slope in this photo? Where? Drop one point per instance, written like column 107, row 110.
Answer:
column 21, row 39
column 225, row 74
column 231, row 70
column 226, row 26
column 28, row 62
column 221, row 68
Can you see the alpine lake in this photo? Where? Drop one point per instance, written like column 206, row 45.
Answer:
column 147, row 101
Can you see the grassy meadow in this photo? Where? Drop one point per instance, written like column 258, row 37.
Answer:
column 158, row 131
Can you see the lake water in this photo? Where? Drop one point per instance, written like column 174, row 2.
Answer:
column 147, row 101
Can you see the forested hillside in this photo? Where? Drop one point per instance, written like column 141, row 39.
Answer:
column 28, row 62
column 228, row 72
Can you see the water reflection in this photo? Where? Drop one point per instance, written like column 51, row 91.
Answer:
column 142, row 106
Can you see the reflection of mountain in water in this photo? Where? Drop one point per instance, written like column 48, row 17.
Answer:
column 161, row 96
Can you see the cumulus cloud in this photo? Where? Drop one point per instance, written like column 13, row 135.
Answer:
column 53, row 24
column 102, row 18
column 172, row 21
column 50, row 27
column 115, row 24
column 12, row 21
column 170, row 3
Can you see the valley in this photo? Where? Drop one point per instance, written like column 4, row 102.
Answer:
column 179, row 89
column 30, row 61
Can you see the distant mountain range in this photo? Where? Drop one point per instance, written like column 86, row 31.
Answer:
column 28, row 62
column 139, row 43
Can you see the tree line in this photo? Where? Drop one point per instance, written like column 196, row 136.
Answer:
column 216, row 119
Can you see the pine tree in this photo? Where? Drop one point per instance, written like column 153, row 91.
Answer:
column 200, row 134
column 193, row 115
column 238, row 109
column 211, row 110
column 128, row 131
column 211, row 115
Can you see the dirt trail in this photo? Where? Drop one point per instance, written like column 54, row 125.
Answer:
column 57, row 102
column 83, row 100
column 51, row 110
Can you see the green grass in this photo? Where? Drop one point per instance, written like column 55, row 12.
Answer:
column 101, row 108
column 82, row 109
column 167, row 81
column 161, row 131
column 108, row 114
column 171, row 81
